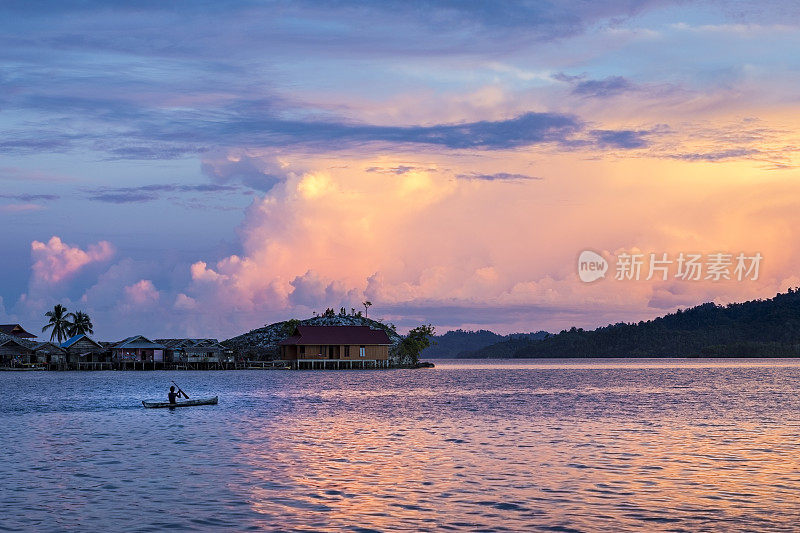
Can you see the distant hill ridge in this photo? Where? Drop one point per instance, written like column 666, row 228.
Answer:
column 462, row 343
column 757, row 328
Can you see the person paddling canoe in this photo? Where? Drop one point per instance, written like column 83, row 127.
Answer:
column 172, row 395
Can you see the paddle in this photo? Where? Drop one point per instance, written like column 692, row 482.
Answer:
column 180, row 391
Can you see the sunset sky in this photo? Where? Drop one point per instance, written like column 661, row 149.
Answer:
column 206, row 168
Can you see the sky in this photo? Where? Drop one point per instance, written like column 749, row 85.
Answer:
column 201, row 169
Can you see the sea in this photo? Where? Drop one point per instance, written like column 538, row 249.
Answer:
column 471, row 445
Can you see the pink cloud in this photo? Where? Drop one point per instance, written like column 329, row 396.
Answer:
column 55, row 261
column 424, row 239
column 142, row 292
column 184, row 302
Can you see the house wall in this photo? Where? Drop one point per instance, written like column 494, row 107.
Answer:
column 9, row 352
column 83, row 346
column 201, row 355
column 313, row 351
column 53, row 357
column 371, row 352
column 289, row 352
column 193, row 355
column 135, row 354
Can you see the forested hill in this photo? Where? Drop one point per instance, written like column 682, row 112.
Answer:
column 758, row 328
column 460, row 343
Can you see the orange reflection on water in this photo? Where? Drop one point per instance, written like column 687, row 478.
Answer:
column 340, row 472
column 331, row 472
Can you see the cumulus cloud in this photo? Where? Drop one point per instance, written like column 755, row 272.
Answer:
column 184, row 302
column 459, row 253
column 142, row 293
column 310, row 289
column 313, row 241
column 55, row 261
column 331, row 238
column 257, row 172
column 424, row 247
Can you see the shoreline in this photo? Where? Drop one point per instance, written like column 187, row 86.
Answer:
column 211, row 367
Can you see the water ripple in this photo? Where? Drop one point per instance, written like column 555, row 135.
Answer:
column 479, row 446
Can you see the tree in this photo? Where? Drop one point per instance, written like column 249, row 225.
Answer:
column 412, row 344
column 289, row 326
column 81, row 324
column 59, row 321
column 366, row 305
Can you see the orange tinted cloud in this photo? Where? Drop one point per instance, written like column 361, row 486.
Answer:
column 55, row 261
column 421, row 236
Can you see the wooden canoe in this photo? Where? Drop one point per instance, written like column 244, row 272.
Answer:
column 186, row 403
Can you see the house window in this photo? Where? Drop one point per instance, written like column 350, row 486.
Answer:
column 362, row 351
column 347, row 351
column 302, row 350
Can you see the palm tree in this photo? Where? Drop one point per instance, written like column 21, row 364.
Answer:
column 366, row 308
column 59, row 321
column 81, row 324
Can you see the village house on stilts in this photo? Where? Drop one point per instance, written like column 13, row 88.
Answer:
column 17, row 350
column 84, row 353
column 312, row 347
column 137, row 352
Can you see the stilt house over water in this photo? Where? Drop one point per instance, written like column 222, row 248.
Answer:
column 86, row 353
column 20, row 352
column 195, row 351
column 312, row 346
column 138, row 349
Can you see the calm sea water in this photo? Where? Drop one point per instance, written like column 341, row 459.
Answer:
column 503, row 446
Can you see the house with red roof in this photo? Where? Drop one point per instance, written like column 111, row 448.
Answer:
column 336, row 343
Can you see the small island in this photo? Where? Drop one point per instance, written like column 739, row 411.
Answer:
column 332, row 340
